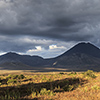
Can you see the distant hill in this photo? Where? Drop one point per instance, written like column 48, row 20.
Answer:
column 15, row 61
column 82, row 56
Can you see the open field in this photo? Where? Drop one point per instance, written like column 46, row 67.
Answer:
column 28, row 85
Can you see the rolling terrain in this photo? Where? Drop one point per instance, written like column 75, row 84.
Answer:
column 82, row 56
column 50, row 85
column 22, row 76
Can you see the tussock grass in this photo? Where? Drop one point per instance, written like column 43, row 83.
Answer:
column 50, row 86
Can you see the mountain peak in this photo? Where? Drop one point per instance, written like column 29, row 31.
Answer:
column 83, row 48
column 84, row 44
column 11, row 53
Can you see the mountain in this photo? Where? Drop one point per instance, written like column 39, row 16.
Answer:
column 83, row 48
column 15, row 61
column 82, row 56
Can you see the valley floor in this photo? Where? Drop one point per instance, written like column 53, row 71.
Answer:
column 30, row 85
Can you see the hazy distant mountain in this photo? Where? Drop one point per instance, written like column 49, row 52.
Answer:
column 82, row 56
column 12, row 60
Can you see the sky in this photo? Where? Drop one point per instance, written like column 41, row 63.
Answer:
column 47, row 28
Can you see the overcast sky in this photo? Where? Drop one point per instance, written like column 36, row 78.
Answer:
column 47, row 27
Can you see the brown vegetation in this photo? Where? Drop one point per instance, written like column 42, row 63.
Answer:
column 50, row 86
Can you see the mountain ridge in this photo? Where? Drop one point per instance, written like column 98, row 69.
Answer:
column 86, row 48
column 81, row 56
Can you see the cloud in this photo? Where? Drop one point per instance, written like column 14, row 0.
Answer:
column 51, row 24
column 59, row 19
column 51, row 47
column 22, row 43
column 38, row 48
column 52, row 51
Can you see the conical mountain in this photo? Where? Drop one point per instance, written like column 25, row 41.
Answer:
column 83, row 48
column 82, row 55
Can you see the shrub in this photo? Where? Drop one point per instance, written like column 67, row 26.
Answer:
column 68, row 88
column 12, row 76
column 44, row 91
column 12, row 81
column 9, row 76
column 11, row 95
column 0, row 80
column 15, row 76
column 61, row 73
column 72, row 73
column 33, row 94
column 0, row 83
column 90, row 73
column 96, row 87
column 21, row 76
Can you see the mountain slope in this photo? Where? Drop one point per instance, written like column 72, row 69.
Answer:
column 83, row 48
column 16, row 61
column 82, row 55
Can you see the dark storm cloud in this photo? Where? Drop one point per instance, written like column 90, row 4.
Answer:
column 22, row 43
column 13, row 44
column 55, row 20
column 51, row 18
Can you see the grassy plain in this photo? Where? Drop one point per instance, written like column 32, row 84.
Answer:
column 30, row 85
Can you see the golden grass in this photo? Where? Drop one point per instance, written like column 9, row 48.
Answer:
column 10, row 71
column 49, row 86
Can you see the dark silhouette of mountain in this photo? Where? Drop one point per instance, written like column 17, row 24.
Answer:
column 82, row 56
column 83, row 48
column 13, row 60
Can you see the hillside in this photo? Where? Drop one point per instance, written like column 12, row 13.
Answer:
column 82, row 56
column 19, row 62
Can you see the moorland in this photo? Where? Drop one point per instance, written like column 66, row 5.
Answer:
column 27, row 85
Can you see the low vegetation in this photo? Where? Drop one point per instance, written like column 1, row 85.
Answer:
column 89, row 73
column 50, row 86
